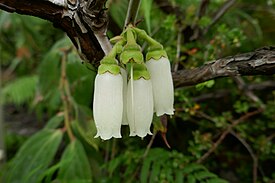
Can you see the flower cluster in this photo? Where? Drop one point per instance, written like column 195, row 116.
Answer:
column 128, row 90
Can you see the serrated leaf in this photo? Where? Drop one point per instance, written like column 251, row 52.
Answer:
column 20, row 90
column 191, row 179
column 192, row 168
column 34, row 157
column 85, row 125
column 155, row 171
column 179, row 176
column 81, row 80
column 145, row 170
column 75, row 164
column 49, row 72
column 54, row 122
column 204, row 175
column 216, row 180
column 49, row 69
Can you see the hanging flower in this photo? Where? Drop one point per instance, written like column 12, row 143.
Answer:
column 108, row 100
column 163, row 89
column 139, row 101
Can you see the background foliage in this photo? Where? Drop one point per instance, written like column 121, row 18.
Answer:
column 46, row 84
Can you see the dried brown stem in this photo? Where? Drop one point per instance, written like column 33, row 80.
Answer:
column 252, row 154
column 249, row 93
column 226, row 132
column 224, row 8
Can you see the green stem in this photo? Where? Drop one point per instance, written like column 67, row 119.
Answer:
column 130, row 37
column 143, row 35
column 132, row 12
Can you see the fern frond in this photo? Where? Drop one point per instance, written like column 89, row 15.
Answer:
column 162, row 166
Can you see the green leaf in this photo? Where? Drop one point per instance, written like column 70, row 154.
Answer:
column 241, row 107
column 20, row 90
column 208, row 84
column 49, row 69
column 74, row 164
column 217, row 180
column 191, row 179
column 192, row 168
column 179, row 176
column 155, row 171
column 204, row 175
column 54, row 122
column 118, row 11
column 147, row 8
column 85, row 126
column 81, row 80
column 49, row 72
column 34, row 157
column 145, row 170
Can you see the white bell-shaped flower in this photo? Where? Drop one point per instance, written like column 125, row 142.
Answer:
column 140, row 106
column 162, row 82
column 108, row 105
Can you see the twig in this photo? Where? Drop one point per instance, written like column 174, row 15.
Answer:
column 176, row 65
column 201, row 11
column 243, row 87
column 132, row 12
column 113, row 148
column 225, row 133
column 252, row 154
column 266, row 85
column 226, row 6
column 65, row 94
column 149, row 145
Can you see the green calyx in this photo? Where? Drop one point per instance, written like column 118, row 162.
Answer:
column 156, row 54
column 140, row 71
column 108, row 64
column 131, row 53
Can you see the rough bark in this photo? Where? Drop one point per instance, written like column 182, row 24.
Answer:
column 259, row 62
column 88, row 43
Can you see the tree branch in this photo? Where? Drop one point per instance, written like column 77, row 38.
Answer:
column 259, row 62
column 86, row 42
